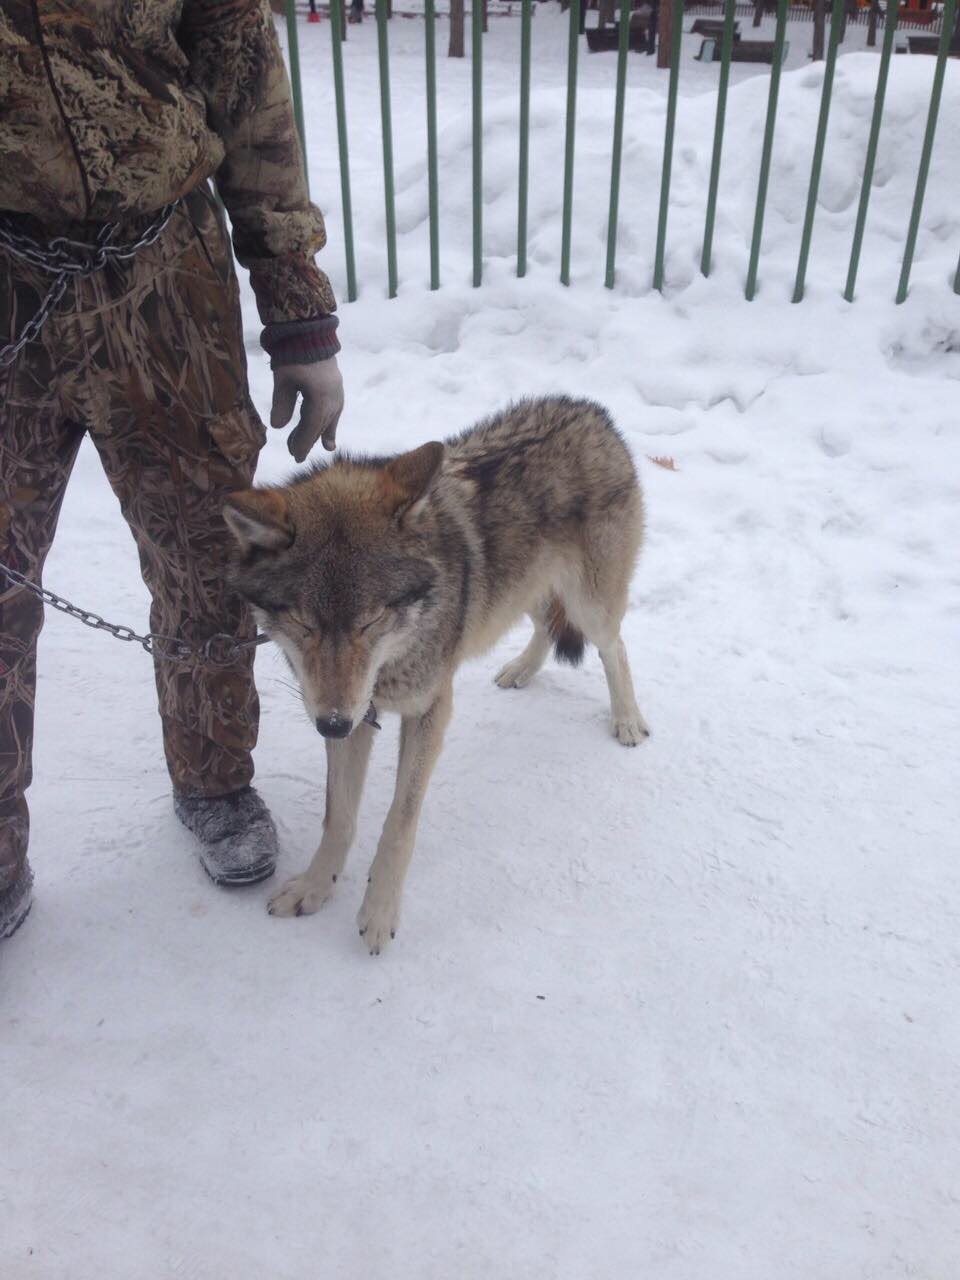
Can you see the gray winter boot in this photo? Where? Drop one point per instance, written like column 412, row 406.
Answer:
column 15, row 902
column 238, row 841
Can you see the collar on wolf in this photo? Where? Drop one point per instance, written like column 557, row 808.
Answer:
column 371, row 717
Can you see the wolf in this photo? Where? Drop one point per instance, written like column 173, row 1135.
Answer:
column 378, row 576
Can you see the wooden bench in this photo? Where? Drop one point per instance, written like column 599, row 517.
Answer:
column 931, row 44
column 741, row 51
column 712, row 27
column 605, row 39
column 756, row 51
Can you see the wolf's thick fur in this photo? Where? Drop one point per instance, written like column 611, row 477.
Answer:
column 379, row 576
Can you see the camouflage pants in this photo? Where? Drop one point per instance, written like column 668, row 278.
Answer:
column 147, row 359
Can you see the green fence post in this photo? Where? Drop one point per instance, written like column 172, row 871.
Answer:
column 293, row 54
column 336, row 44
column 525, row 15
column 946, row 32
column 387, row 133
column 675, row 41
column 476, row 54
column 889, row 27
column 836, row 20
column 767, row 151
column 568, row 147
column 430, row 30
column 726, row 48
column 618, row 141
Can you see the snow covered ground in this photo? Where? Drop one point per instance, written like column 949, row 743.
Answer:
column 687, row 1012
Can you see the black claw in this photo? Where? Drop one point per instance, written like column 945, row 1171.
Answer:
column 363, row 931
column 393, row 933
column 299, row 908
column 334, row 879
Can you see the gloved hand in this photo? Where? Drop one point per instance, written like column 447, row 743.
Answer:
column 303, row 357
column 321, row 386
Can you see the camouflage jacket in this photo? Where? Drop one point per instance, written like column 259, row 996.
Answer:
column 112, row 108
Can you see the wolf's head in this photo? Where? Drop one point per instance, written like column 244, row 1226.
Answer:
column 338, row 571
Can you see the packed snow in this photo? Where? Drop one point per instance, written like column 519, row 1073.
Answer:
column 685, row 1012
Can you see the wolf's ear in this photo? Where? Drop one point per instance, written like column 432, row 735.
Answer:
column 410, row 476
column 259, row 518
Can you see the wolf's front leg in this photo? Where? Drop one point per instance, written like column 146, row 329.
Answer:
column 421, row 738
column 346, row 769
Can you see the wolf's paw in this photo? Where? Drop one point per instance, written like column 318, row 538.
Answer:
column 516, row 674
column 300, row 896
column 631, row 730
column 377, row 920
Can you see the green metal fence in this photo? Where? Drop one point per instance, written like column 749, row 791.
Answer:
column 677, row 11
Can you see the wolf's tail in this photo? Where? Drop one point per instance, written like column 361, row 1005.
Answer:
column 568, row 642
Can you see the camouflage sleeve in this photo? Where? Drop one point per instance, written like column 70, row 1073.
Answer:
column 235, row 61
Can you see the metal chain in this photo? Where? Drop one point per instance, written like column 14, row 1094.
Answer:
column 219, row 650
column 33, row 326
column 63, row 258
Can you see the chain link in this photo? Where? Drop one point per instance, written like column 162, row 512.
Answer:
column 218, row 650
column 64, row 258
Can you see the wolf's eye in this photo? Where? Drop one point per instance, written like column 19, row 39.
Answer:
column 410, row 597
column 373, row 621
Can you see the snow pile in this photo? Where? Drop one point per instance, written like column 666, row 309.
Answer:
column 855, row 83
column 681, row 1012
column 854, row 87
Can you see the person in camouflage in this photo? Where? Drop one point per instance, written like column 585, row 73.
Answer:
column 109, row 112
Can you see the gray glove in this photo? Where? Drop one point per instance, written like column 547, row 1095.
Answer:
column 321, row 386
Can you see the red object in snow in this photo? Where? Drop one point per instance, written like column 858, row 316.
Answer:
column 313, row 17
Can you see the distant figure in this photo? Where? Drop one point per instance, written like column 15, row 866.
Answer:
column 652, row 27
column 356, row 11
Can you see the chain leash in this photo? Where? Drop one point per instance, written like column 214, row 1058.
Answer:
column 65, row 259
column 218, row 650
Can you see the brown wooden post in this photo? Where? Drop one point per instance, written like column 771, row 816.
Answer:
column 456, row 49
column 665, row 33
column 819, row 10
